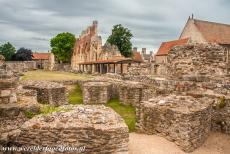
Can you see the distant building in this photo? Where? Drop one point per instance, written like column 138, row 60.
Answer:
column 197, row 31
column 145, row 57
column 41, row 59
column 90, row 56
column 161, row 55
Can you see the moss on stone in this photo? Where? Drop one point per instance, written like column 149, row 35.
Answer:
column 222, row 102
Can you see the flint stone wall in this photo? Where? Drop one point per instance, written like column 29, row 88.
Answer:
column 181, row 119
column 96, row 92
column 48, row 92
column 21, row 66
column 144, row 69
column 130, row 93
column 197, row 59
column 96, row 127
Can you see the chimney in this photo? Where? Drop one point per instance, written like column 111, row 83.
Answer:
column 95, row 23
column 192, row 16
column 143, row 51
column 134, row 49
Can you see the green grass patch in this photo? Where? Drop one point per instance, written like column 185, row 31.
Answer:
column 127, row 112
column 44, row 110
column 47, row 109
column 54, row 75
column 30, row 114
column 75, row 96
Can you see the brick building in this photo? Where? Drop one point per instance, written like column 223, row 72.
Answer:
column 197, row 31
column 90, row 56
column 41, row 59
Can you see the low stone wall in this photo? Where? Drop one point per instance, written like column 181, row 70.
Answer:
column 97, row 128
column 12, row 107
column 181, row 119
column 48, row 92
column 130, row 93
column 21, row 66
column 197, row 59
column 96, row 92
column 220, row 113
column 61, row 67
column 144, row 69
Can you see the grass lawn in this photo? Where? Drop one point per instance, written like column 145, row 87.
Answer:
column 75, row 96
column 127, row 112
column 53, row 75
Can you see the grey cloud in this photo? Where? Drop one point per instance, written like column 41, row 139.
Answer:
column 31, row 23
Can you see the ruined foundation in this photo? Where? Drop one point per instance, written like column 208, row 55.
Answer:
column 181, row 119
column 48, row 92
column 97, row 128
column 96, row 92
column 12, row 107
column 130, row 93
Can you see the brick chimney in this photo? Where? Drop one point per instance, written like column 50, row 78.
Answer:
column 134, row 49
column 94, row 27
column 143, row 51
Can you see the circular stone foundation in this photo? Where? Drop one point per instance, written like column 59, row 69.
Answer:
column 96, row 92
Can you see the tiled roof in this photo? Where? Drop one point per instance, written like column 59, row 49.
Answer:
column 137, row 56
column 214, row 32
column 167, row 46
column 41, row 56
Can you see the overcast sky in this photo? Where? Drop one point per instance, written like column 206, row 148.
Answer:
column 31, row 23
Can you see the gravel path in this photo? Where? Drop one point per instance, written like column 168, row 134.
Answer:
column 217, row 143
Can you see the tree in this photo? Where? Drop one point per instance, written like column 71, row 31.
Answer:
column 121, row 37
column 7, row 50
column 23, row 54
column 62, row 46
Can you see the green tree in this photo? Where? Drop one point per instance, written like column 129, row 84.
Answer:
column 7, row 50
column 121, row 37
column 62, row 46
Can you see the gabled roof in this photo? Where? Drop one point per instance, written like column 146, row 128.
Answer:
column 214, row 32
column 167, row 46
column 137, row 56
column 40, row 56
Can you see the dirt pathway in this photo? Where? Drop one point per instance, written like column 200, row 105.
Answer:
column 217, row 143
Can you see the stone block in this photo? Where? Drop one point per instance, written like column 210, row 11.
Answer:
column 97, row 128
column 130, row 93
column 96, row 92
column 48, row 92
column 5, row 93
column 182, row 119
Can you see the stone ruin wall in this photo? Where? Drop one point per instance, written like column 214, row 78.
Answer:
column 144, row 69
column 51, row 93
column 20, row 67
column 97, row 128
column 197, row 59
column 96, row 92
column 181, row 119
column 14, row 102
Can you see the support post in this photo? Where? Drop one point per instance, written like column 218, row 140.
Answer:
column 107, row 68
column 115, row 68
